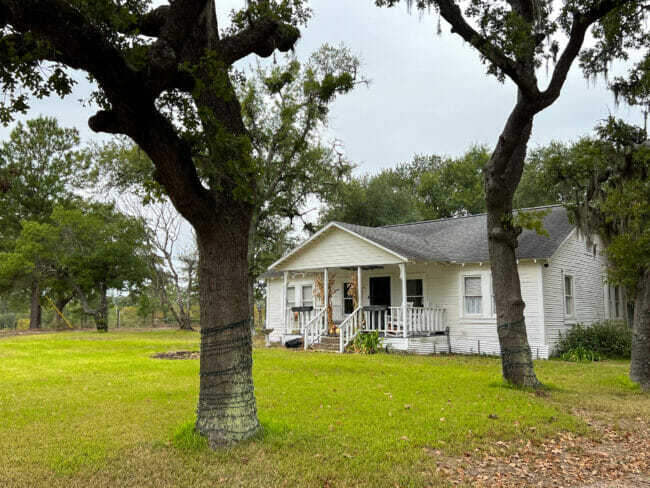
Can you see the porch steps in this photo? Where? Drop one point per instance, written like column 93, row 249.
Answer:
column 327, row 344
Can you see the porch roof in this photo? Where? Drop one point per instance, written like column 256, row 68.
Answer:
column 460, row 239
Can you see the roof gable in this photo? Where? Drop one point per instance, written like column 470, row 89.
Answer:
column 336, row 246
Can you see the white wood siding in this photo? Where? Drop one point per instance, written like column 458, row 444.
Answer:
column 445, row 288
column 335, row 248
column 588, row 273
column 274, row 319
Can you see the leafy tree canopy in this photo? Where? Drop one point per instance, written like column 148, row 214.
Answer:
column 42, row 164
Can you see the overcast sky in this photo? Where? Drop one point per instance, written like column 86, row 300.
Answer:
column 429, row 93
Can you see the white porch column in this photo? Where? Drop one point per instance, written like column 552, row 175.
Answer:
column 326, row 292
column 284, row 300
column 402, row 275
column 359, row 287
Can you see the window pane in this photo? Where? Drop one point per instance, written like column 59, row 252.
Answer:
column 307, row 293
column 473, row 286
column 291, row 296
column 414, row 287
column 347, row 289
column 473, row 305
column 416, row 301
column 569, row 305
column 568, row 286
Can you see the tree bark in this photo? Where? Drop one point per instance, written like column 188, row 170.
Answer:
column 35, row 306
column 252, row 239
column 640, row 363
column 101, row 314
column 60, row 304
column 502, row 175
column 227, row 411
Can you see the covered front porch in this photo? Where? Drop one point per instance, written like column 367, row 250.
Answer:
column 389, row 301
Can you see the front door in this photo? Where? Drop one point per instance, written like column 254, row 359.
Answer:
column 380, row 291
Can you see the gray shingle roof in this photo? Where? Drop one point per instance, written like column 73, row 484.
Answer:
column 463, row 239
column 460, row 239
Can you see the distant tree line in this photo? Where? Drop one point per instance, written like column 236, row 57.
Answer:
column 435, row 187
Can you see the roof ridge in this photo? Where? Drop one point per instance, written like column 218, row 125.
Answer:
column 459, row 217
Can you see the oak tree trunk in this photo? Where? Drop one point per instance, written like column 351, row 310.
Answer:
column 35, row 305
column 502, row 175
column 101, row 314
column 227, row 411
column 60, row 304
column 184, row 323
column 252, row 240
column 640, row 364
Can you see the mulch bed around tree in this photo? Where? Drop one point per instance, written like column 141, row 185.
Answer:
column 615, row 456
column 177, row 355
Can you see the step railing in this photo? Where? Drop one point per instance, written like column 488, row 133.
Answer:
column 315, row 329
column 349, row 328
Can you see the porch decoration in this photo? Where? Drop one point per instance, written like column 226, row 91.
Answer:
column 353, row 292
column 319, row 294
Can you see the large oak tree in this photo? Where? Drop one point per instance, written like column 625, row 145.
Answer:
column 515, row 38
column 164, row 79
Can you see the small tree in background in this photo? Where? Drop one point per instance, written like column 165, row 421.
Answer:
column 92, row 248
column 43, row 164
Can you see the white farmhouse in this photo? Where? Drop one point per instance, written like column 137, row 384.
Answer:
column 426, row 286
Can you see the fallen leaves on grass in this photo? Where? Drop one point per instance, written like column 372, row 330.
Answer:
column 612, row 457
column 177, row 355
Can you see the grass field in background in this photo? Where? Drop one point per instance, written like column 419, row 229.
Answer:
column 90, row 409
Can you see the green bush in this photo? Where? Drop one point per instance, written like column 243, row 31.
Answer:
column 367, row 343
column 7, row 320
column 602, row 340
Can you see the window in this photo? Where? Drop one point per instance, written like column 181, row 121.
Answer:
column 569, row 301
column 473, row 295
column 291, row 296
column 307, row 296
column 348, row 300
column 494, row 302
column 615, row 308
column 414, row 293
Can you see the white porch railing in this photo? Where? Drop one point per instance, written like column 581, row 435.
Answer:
column 295, row 320
column 349, row 328
column 315, row 329
column 419, row 321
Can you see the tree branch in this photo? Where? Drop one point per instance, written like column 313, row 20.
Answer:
column 451, row 12
column 581, row 22
column 262, row 37
column 151, row 23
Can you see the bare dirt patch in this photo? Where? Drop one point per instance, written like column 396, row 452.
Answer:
column 614, row 455
column 177, row 355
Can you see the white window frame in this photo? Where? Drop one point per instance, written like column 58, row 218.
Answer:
column 464, row 276
column 298, row 286
column 424, row 294
column 493, row 302
column 286, row 298
column 611, row 302
column 567, row 315
column 302, row 295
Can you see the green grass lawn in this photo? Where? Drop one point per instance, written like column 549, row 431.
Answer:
column 89, row 409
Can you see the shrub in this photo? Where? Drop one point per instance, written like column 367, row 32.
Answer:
column 367, row 343
column 602, row 340
column 7, row 320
